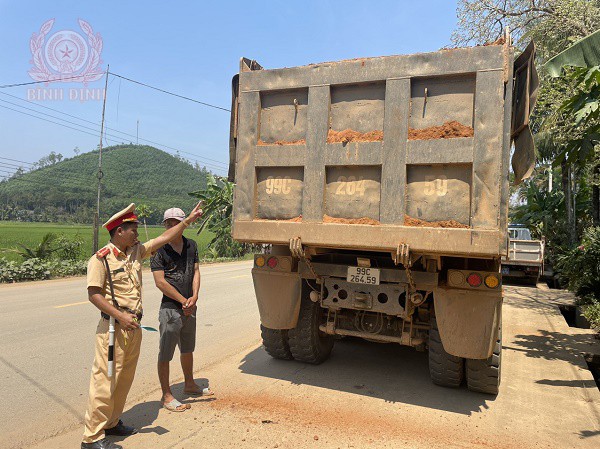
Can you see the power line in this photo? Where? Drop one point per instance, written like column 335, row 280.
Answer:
column 48, row 115
column 122, row 77
column 46, row 120
column 200, row 161
column 16, row 160
column 169, row 93
column 41, row 82
column 124, row 133
column 210, row 166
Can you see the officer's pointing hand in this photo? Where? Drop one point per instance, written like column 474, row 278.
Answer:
column 128, row 321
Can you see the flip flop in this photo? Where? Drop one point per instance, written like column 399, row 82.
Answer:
column 204, row 392
column 174, row 406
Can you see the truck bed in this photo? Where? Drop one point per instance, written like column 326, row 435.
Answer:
column 377, row 152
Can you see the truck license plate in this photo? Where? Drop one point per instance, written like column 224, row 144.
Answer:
column 362, row 275
column 505, row 270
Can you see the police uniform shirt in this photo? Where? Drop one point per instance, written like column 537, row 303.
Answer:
column 126, row 273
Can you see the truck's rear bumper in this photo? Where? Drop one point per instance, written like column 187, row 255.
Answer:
column 442, row 241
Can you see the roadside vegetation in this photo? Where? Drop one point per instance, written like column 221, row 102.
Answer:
column 37, row 251
column 561, row 200
column 218, row 209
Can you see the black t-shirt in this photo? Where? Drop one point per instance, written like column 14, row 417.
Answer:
column 178, row 268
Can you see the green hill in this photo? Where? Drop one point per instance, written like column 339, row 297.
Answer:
column 66, row 191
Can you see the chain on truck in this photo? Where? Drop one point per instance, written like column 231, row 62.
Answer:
column 382, row 186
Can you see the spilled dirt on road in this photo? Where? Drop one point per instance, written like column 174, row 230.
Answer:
column 291, row 415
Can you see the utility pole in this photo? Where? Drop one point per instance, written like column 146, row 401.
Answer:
column 100, row 174
column 137, row 133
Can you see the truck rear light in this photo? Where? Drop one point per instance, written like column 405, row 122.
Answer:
column 272, row 262
column 474, row 280
column 456, row 278
column 492, row 281
column 260, row 261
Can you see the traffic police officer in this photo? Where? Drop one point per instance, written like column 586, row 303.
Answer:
column 124, row 254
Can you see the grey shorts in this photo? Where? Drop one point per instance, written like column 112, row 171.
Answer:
column 175, row 330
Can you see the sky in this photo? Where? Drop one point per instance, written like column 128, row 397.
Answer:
column 189, row 48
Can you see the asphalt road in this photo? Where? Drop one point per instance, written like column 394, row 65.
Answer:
column 365, row 395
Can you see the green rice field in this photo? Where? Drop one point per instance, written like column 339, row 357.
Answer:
column 30, row 234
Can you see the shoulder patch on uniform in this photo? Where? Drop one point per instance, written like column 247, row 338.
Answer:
column 103, row 252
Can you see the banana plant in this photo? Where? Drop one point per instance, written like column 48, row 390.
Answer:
column 218, row 208
column 42, row 251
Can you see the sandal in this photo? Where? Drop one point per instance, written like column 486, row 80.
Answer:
column 204, row 392
column 176, row 406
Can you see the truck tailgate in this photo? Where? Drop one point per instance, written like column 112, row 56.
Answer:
column 374, row 153
column 525, row 252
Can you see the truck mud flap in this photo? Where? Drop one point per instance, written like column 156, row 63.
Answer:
column 468, row 321
column 278, row 298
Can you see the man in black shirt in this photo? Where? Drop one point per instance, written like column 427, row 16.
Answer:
column 177, row 275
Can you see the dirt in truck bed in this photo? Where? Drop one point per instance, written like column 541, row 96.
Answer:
column 297, row 219
column 410, row 221
column 349, row 135
column 448, row 130
column 499, row 41
column 283, row 142
column 363, row 220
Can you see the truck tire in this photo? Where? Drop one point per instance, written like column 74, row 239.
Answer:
column 276, row 343
column 307, row 343
column 483, row 376
column 445, row 369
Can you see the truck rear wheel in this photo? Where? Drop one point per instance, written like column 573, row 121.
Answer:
column 307, row 343
column 445, row 369
column 483, row 376
column 276, row 343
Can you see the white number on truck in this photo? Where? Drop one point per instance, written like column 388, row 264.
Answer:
column 278, row 185
column 350, row 186
column 436, row 185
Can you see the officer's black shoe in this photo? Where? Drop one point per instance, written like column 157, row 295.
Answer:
column 101, row 444
column 121, row 430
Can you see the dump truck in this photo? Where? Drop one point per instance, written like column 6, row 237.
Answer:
column 525, row 258
column 381, row 187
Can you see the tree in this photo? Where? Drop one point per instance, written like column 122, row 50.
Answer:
column 559, row 22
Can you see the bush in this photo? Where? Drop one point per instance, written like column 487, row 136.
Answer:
column 580, row 267
column 37, row 269
column 69, row 248
column 592, row 313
